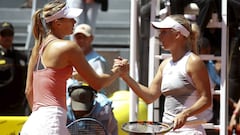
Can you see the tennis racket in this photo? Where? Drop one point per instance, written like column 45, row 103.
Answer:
column 147, row 127
column 86, row 126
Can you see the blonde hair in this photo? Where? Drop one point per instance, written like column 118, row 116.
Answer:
column 195, row 38
column 40, row 27
column 192, row 28
column 40, row 31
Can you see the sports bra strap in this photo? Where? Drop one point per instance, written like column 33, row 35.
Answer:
column 43, row 45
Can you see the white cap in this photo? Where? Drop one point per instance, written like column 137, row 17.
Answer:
column 65, row 12
column 85, row 29
column 168, row 22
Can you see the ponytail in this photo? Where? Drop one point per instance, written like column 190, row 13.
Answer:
column 194, row 36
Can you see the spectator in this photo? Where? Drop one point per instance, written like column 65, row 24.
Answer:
column 27, row 4
column 50, row 66
column 83, row 36
column 85, row 102
column 102, row 109
column 205, row 11
column 205, row 48
column 182, row 78
column 215, row 79
column 13, row 66
column 90, row 10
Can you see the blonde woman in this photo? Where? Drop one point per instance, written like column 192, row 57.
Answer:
column 182, row 79
column 50, row 65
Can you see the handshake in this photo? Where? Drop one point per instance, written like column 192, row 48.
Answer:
column 121, row 65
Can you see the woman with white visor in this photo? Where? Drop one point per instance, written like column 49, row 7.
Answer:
column 50, row 65
column 182, row 79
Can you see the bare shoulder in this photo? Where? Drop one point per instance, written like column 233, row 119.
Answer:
column 164, row 62
column 65, row 44
column 195, row 63
column 194, row 59
column 63, row 49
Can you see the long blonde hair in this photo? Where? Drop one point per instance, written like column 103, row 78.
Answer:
column 40, row 28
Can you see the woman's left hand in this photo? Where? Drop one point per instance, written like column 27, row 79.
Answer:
column 179, row 120
column 121, row 65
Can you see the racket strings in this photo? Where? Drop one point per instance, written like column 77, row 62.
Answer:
column 146, row 127
column 86, row 127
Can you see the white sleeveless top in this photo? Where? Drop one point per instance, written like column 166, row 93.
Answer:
column 179, row 91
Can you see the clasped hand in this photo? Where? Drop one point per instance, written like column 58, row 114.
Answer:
column 121, row 65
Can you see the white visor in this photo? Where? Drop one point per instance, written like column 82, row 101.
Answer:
column 168, row 22
column 65, row 12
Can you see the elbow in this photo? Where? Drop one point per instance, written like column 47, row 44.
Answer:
column 29, row 96
column 149, row 100
column 28, row 93
column 208, row 102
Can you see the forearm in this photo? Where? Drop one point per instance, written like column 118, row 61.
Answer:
column 108, row 79
column 237, row 109
column 29, row 82
column 102, row 80
column 139, row 89
column 29, row 91
column 29, row 96
column 202, row 104
column 235, row 115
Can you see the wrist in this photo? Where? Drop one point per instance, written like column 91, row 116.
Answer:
column 235, row 112
column 125, row 76
column 115, row 71
column 186, row 113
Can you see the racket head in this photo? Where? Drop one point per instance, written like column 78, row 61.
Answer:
column 86, row 126
column 148, row 127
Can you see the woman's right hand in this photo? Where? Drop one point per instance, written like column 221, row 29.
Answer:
column 121, row 65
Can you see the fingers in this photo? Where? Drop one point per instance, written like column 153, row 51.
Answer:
column 179, row 120
column 178, row 124
column 119, row 62
column 121, row 65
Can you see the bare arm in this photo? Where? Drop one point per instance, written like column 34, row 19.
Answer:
column 64, row 53
column 87, row 73
column 148, row 94
column 29, row 80
column 235, row 115
column 98, row 66
column 199, row 75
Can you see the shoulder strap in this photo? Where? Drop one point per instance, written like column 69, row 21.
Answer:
column 43, row 46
